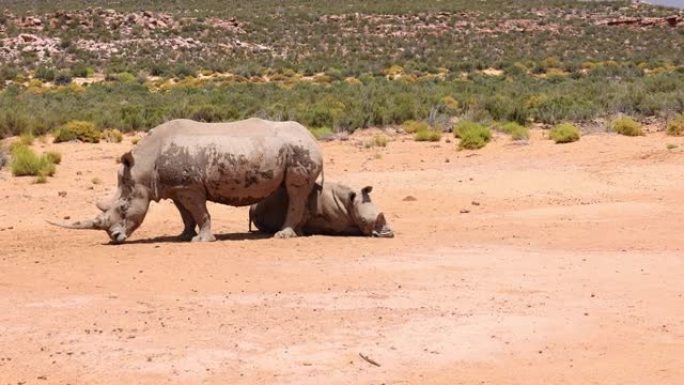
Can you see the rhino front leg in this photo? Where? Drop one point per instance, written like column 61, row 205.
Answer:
column 196, row 205
column 298, row 194
column 188, row 222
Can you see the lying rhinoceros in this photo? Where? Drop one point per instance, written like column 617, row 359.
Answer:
column 238, row 164
column 332, row 209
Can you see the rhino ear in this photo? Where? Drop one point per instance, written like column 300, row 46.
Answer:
column 366, row 190
column 352, row 196
column 127, row 159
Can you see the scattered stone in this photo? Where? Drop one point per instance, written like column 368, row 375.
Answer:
column 464, row 211
column 62, row 194
column 409, row 198
column 475, row 203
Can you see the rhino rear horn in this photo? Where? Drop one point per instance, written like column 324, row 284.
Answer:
column 91, row 224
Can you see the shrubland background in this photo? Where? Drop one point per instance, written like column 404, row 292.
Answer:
column 337, row 65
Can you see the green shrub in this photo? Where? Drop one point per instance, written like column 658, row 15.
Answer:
column 122, row 77
column 515, row 130
column 412, row 126
column 464, row 125
column 112, row 135
column 81, row 71
column 321, row 132
column 62, row 79
column 46, row 74
column 675, row 127
column 25, row 162
column 473, row 135
column 429, row 135
column 182, row 71
column 26, row 139
column 564, row 133
column 78, row 130
column 54, row 157
column 625, row 125
column 378, row 141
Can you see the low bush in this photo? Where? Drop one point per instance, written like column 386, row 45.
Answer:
column 25, row 162
column 465, row 125
column 564, row 133
column 78, row 130
column 429, row 135
column 412, row 126
column 54, row 157
column 112, row 135
column 473, row 135
column 321, row 132
column 378, row 141
column 675, row 127
column 81, row 71
column 624, row 125
column 515, row 130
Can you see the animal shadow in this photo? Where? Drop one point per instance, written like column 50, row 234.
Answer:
column 253, row 236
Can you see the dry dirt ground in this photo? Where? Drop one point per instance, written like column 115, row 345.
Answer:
column 567, row 269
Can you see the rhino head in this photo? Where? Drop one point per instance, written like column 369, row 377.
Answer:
column 366, row 216
column 123, row 213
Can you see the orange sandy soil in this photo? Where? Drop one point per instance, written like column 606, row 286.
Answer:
column 569, row 271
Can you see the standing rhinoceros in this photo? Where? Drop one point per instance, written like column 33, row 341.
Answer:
column 238, row 164
column 332, row 209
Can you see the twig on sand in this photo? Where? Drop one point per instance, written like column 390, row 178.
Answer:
column 369, row 360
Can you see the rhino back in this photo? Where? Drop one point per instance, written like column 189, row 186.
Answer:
column 237, row 163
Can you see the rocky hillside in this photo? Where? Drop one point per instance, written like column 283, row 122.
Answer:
column 310, row 39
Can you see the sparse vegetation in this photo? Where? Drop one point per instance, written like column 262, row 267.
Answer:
column 54, row 157
column 428, row 135
column 378, row 140
column 624, row 125
column 78, row 130
column 473, row 135
column 564, row 133
column 515, row 130
column 25, row 162
column 675, row 126
column 412, row 126
column 671, row 146
column 112, row 135
column 289, row 61
column 321, row 132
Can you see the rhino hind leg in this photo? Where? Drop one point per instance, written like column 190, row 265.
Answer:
column 196, row 205
column 188, row 223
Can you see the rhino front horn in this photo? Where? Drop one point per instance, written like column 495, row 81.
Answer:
column 79, row 225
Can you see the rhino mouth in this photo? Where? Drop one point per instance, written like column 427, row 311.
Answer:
column 381, row 229
column 383, row 233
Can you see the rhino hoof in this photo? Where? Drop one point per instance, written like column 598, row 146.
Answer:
column 206, row 238
column 186, row 237
column 285, row 233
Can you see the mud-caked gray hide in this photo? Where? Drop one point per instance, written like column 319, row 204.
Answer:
column 332, row 209
column 238, row 164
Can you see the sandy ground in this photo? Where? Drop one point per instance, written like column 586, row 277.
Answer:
column 567, row 269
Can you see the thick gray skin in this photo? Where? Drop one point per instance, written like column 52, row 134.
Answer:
column 333, row 209
column 237, row 163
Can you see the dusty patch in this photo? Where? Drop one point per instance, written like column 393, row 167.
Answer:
column 565, row 268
